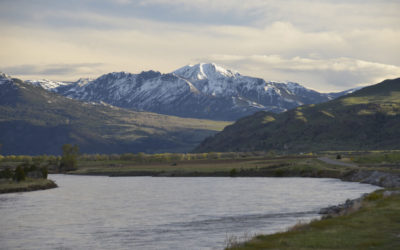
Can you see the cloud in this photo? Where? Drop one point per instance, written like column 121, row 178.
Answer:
column 314, row 15
column 322, row 74
column 311, row 15
column 51, row 69
column 314, row 42
column 122, row 2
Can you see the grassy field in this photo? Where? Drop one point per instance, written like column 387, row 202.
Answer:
column 262, row 163
column 251, row 166
column 375, row 226
column 8, row 186
column 199, row 166
column 379, row 158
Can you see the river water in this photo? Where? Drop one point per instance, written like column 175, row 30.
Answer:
column 92, row 212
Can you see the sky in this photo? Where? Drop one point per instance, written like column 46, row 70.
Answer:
column 325, row 45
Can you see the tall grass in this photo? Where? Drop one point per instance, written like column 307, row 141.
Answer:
column 393, row 157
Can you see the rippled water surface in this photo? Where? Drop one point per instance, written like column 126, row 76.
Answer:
column 91, row 212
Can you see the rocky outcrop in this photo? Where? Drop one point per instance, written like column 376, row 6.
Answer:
column 377, row 178
column 354, row 204
column 349, row 205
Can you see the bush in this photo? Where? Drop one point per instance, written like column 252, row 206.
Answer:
column 45, row 172
column 69, row 159
column 374, row 196
column 19, row 174
column 6, row 174
column 279, row 173
column 127, row 157
column 233, row 172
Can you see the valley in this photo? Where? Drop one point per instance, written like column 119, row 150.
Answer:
column 34, row 121
column 199, row 124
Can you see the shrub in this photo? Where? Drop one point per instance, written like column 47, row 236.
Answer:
column 374, row 196
column 19, row 174
column 45, row 172
column 6, row 174
column 69, row 160
column 279, row 173
column 233, row 172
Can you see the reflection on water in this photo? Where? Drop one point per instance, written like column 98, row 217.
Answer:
column 91, row 212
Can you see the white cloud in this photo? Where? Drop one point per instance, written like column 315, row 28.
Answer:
column 332, row 74
column 326, row 45
column 123, row 2
column 313, row 15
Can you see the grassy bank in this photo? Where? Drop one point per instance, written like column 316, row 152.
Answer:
column 263, row 166
column 375, row 226
column 8, row 186
column 251, row 166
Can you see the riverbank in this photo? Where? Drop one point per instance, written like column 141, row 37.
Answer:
column 265, row 167
column 381, row 175
column 26, row 186
column 352, row 225
column 370, row 221
column 373, row 223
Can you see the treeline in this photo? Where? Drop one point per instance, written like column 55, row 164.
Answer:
column 38, row 160
column 21, row 172
column 139, row 157
column 168, row 157
column 19, row 166
column 38, row 166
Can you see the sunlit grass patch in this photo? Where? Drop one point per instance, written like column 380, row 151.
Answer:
column 8, row 186
column 375, row 226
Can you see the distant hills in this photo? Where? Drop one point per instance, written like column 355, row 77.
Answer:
column 204, row 90
column 35, row 121
column 366, row 119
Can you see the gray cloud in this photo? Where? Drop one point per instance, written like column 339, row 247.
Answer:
column 52, row 13
column 325, row 44
column 50, row 69
column 311, row 15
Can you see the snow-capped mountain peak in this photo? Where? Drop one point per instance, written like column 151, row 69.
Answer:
column 204, row 71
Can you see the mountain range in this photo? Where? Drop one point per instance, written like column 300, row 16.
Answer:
column 204, row 90
column 35, row 121
column 111, row 114
column 366, row 119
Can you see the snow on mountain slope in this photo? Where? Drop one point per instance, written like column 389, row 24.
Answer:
column 4, row 78
column 212, row 79
column 47, row 84
column 143, row 91
column 204, row 90
column 342, row 93
column 203, row 71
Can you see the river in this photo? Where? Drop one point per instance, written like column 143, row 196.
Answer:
column 95, row 212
